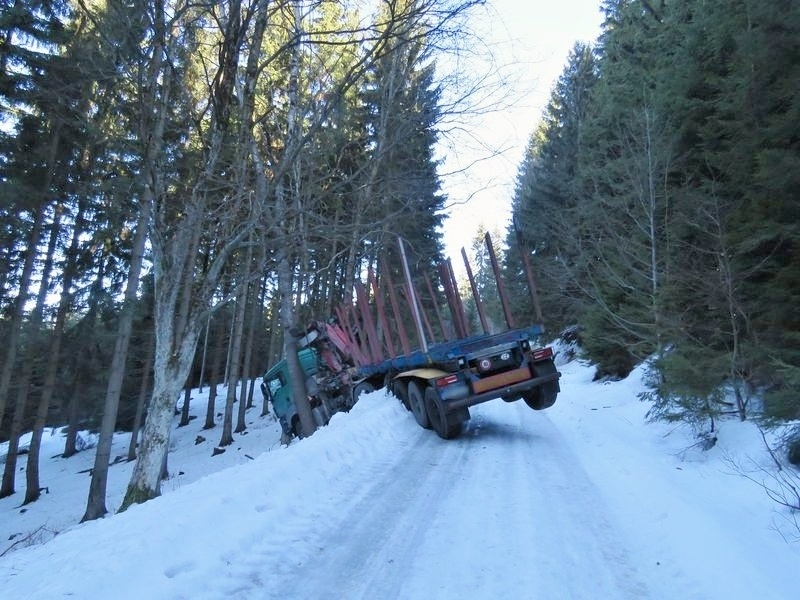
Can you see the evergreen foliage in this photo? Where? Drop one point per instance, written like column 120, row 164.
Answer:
column 548, row 204
column 669, row 226
column 245, row 137
column 284, row 148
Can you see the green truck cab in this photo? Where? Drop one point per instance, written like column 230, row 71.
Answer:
column 328, row 380
column 277, row 390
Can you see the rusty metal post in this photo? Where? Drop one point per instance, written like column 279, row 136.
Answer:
column 368, row 322
column 379, row 307
column 415, row 310
column 398, row 317
column 475, row 294
column 462, row 314
column 436, row 308
column 444, row 275
column 428, row 327
column 501, row 290
column 343, row 312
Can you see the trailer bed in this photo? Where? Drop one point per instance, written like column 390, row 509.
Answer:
column 444, row 352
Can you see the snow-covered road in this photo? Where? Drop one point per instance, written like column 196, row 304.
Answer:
column 506, row 507
column 583, row 500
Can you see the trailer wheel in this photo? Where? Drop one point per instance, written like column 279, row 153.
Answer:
column 365, row 387
column 543, row 396
column 417, row 403
column 447, row 426
column 400, row 389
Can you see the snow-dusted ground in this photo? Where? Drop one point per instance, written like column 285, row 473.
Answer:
column 583, row 500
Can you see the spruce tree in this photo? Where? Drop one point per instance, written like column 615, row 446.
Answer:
column 550, row 208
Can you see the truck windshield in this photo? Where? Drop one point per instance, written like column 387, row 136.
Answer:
column 274, row 384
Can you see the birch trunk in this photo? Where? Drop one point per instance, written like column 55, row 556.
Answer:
column 170, row 371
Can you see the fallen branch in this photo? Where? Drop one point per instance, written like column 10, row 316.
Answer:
column 28, row 538
column 782, row 485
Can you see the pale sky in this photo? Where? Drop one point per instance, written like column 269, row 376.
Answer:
column 529, row 41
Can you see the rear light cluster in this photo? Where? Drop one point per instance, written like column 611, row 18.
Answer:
column 542, row 353
column 446, row 380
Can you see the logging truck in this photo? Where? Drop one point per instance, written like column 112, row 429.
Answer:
column 365, row 347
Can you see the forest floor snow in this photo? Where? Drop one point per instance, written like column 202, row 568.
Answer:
column 583, row 500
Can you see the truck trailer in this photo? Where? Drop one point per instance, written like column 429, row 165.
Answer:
column 364, row 347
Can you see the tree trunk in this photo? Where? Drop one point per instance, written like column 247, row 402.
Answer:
column 169, row 373
column 187, row 396
column 24, row 384
column 85, row 349
column 96, row 503
column 70, row 440
column 251, row 393
column 144, row 386
column 257, row 330
column 247, row 375
column 232, row 374
column 12, row 341
column 235, row 366
column 226, row 379
column 10, row 468
column 273, row 326
column 241, row 424
column 216, row 368
column 204, row 356
column 296, row 375
column 33, row 485
column 210, row 405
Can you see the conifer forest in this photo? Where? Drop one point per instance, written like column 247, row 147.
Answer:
column 183, row 182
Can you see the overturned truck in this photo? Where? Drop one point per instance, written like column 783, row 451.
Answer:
column 365, row 347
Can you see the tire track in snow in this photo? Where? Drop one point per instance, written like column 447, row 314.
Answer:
column 366, row 554
column 505, row 507
column 581, row 551
column 538, row 523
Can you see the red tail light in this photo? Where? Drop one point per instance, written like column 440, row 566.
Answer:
column 542, row 353
column 447, row 380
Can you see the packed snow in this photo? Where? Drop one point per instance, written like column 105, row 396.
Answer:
column 583, row 500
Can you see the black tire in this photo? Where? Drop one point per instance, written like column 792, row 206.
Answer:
column 447, row 426
column 400, row 389
column 416, row 402
column 365, row 387
column 545, row 395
